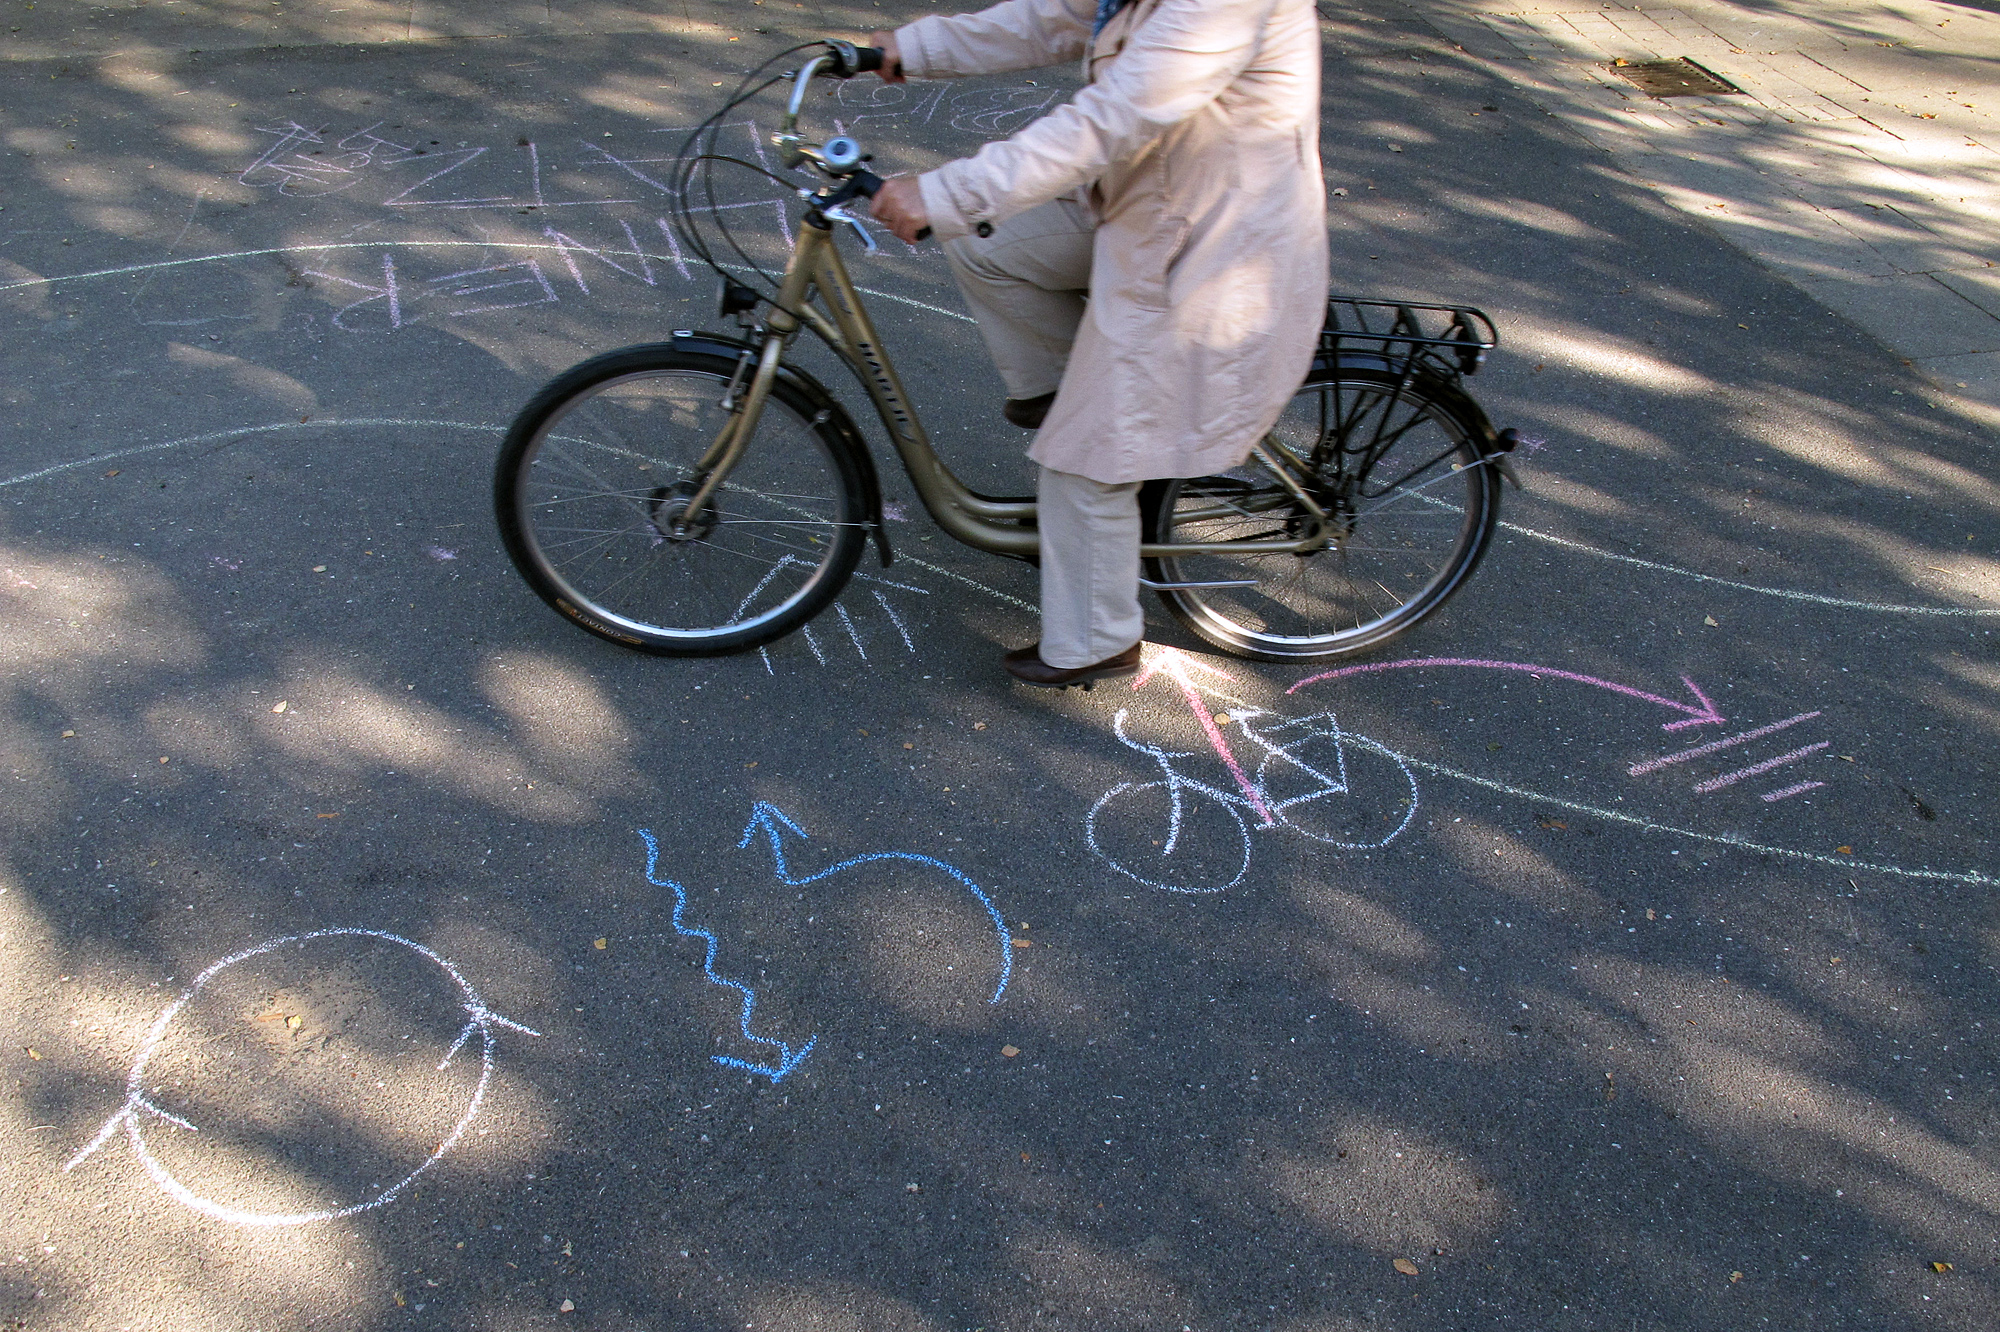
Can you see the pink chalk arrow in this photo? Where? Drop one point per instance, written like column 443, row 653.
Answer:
column 1177, row 667
column 1704, row 715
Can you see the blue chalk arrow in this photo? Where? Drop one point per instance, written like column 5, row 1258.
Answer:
column 788, row 1058
column 774, row 824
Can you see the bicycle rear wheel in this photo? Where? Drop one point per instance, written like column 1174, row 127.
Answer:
column 1397, row 466
column 594, row 471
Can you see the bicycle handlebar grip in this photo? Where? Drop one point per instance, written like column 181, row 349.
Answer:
column 849, row 60
column 867, row 183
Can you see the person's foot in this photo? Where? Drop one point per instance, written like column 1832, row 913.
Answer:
column 1026, row 665
column 1027, row 413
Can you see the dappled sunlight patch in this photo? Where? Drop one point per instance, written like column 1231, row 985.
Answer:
column 831, row 1306
column 1090, row 1281
column 1601, row 353
column 1363, row 924
column 1387, row 1188
column 1523, row 212
column 1507, row 865
column 565, row 718
column 348, row 725
column 274, row 386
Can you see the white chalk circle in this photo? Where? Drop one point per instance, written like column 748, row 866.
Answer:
column 330, row 1047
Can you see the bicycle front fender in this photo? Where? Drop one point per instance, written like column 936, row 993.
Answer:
column 721, row 344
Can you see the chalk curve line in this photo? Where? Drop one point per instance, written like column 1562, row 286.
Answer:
column 1973, row 878
column 1783, row 593
column 774, row 823
column 481, row 1021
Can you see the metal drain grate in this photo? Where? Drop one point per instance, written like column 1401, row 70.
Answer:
column 1674, row 78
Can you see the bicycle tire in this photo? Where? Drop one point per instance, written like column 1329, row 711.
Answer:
column 1124, row 861
column 584, row 489
column 1404, row 548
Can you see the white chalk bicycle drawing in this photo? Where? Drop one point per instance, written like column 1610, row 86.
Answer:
column 140, row 1109
column 1314, row 778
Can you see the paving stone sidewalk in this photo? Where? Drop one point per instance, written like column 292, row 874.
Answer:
column 1861, row 159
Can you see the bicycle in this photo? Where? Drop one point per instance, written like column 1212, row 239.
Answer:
column 629, row 497
column 1304, row 785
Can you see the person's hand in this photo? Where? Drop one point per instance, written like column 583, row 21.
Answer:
column 899, row 206
column 892, row 59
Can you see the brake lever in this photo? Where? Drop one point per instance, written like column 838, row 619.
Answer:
column 839, row 213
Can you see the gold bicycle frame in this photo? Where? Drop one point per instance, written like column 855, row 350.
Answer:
column 999, row 526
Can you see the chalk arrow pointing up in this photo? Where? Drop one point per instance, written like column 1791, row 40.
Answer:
column 774, row 823
column 1702, row 712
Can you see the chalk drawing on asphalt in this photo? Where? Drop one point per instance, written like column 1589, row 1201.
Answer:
column 1313, row 778
column 140, row 1110
column 772, row 826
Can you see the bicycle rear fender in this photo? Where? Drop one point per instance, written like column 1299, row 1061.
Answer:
column 1485, row 438
column 718, row 344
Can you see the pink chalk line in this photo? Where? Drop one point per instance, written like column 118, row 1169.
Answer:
column 1175, row 665
column 1769, row 796
column 1731, row 778
column 1704, row 715
column 1652, row 765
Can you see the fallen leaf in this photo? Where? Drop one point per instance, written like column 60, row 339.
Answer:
column 1222, row 719
column 398, row 1297
column 567, row 1307
column 1405, row 1266
column 69, row 735
column 1008, row 1051
column 294, row 1021
column 862, row 729
column 1844, row 850
column 112, row 472
column 1650, row 915
column 280, row 707
column 908, row 745
column 600, row 944
column 33, row 1053
column 1024, row 943
column 1555, row 823
column 163, row 758
column 1835, row 960
column 1735, row 1277
column 751, row 764
column 1940, row 1268
column 334, row 815
column 979, row 726
column 319, row 568
column 1610, row 1088
column 911, row 1188
column 1711, row 622
column 1026, row 1157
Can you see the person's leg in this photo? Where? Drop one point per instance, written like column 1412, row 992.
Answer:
column 1090, row 569
column 1025, row 284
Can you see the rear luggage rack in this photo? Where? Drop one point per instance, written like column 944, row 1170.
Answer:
column 1450, row 340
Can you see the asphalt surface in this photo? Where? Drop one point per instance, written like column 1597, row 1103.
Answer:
column 371, row 936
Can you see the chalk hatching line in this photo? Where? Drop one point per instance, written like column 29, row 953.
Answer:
column 1727, row 742
column 1705, row 715
column 479, row 1019
column 1731, row 778
column 1785, row 793
column 788, row 1058
column 775, row 823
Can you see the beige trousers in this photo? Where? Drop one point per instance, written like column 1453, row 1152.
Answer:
column 1026, row 285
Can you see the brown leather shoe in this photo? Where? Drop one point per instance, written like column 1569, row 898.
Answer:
column 1027, row 413
column 1026, row 665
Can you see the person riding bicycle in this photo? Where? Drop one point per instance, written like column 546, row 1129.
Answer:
column 1180, row 192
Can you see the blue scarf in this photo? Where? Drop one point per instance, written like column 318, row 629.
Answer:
column 1105, row 9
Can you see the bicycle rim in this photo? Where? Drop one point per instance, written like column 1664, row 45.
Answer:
column 598, row 471
column 1414, row 506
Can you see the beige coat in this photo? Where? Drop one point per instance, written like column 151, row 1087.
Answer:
column 1197, row 143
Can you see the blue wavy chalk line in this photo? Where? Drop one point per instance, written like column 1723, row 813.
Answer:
column 788, row 1058
column 772, row 819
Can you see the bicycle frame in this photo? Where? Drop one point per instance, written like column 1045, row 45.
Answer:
column 1000, row 526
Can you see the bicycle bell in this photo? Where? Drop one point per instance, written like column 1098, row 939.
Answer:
column 842, row 153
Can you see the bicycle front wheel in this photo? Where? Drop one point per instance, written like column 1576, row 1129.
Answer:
column 594, row 479
column 1397, row 466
